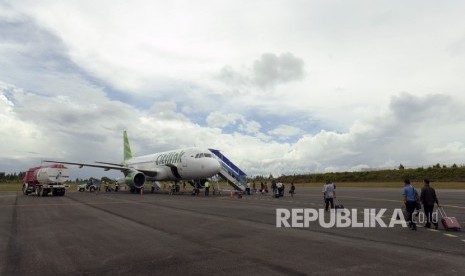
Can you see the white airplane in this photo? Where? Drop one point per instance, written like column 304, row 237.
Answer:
column 182, row 164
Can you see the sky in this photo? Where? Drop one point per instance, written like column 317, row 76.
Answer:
column 280, row 87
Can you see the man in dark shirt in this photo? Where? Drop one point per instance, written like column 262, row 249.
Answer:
column 428, row 198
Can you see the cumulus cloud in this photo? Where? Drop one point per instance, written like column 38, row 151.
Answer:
column 267, row 71
column 250, row 127
column 283, row 131
column 271, row 69
column 220, row 119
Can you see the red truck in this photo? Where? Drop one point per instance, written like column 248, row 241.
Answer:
column 45, row 179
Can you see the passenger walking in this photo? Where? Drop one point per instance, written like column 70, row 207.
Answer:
column 428, row 198
column 279, row 189
column 273, row 187
column 410, row 200
column 292, row 189
column 329, row 193
column 207, row 188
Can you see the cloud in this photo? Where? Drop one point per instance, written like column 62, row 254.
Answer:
column 250, row 127
column 223, row 120
column 266, row 72
column 283, row 131
column 271, row 69
column 220, row 119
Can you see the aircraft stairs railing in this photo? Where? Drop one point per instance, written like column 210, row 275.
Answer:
column 230, row 172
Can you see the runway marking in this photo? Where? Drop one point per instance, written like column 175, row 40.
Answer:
column 463, row 240
column 450, row 235
column 433, row 230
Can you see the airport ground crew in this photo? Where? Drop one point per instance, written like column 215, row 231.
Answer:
column 207, row 188
column 197, row 188
column 172, row 188
column 410, row 200
column 116, row 186
column 105, row 186
column 428, row 198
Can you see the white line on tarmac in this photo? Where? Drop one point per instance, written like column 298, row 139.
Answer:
column 463, row 240
column 450, row 235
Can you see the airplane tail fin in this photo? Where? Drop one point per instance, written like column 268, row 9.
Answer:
column 127, row 147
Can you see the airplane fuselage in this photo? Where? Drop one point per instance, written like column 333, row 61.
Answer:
column 182, row 164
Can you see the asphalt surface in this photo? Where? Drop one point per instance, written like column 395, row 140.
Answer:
column 159, row 234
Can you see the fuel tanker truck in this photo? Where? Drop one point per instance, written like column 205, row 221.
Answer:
column 45, row 179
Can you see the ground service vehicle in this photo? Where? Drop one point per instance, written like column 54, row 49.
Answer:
column 45, row 179
column 91, row 186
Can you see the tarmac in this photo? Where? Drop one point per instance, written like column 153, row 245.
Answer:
column 120, row 233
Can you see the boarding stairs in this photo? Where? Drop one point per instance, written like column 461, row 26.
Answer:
column 230, row 172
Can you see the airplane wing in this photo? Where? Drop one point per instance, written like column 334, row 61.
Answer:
column 106, row 167
column 113, row 164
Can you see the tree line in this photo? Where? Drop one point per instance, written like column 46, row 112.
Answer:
column 11, row 177
column 437, row 172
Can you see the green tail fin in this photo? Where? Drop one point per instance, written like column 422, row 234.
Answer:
column 127, row 148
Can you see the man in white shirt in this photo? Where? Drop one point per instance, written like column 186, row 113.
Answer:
column 329, row 191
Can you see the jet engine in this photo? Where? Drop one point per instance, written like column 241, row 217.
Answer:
column 135, row 179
